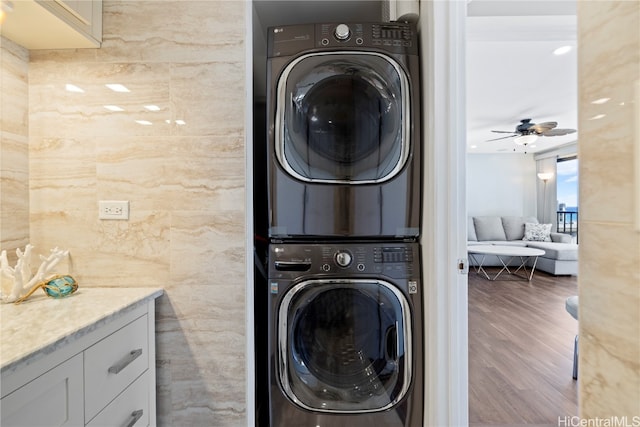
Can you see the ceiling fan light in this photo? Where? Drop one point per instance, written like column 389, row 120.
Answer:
column 526, row 139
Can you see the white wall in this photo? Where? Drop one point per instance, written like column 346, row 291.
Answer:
column 501, row 184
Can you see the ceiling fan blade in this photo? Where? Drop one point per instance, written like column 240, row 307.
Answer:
column 502, row 131
column 558, row 132
column 504, row 137
column 543, row 127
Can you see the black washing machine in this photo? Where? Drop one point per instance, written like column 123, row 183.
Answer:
column 343, row 121
column 345, row 339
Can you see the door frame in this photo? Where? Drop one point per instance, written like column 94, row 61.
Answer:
column 443, row 41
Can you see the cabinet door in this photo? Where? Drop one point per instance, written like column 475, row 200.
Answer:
column 53, row 399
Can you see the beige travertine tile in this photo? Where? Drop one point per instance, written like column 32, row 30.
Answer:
column 194, row 31
column 62, row 174
column 609, row 62
column 58, row 112
column 108, row 253
column 14, row 153
column 219, row 235
column 14, row 65
column 609, row 273
column 211, row 106
column 14, row 173
column 172, row 173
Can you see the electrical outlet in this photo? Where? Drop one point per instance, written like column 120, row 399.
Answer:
column 113, row 209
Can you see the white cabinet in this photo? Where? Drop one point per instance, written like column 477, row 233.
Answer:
column 55, row 24
column 105, row 377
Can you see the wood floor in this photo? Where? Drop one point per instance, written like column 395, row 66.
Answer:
column 521, row 351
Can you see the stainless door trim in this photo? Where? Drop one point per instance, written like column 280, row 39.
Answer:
column 283, row 340
column 405, row 93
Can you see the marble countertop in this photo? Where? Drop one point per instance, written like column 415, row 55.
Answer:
column 41, row 323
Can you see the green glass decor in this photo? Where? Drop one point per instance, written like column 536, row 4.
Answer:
column 58, row 286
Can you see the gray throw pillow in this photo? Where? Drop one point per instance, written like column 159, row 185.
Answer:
column 471, row 231
column 489, row 228
column 513, row 227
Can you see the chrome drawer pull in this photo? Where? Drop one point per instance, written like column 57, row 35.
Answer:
column 135, row 416
column 125, row 362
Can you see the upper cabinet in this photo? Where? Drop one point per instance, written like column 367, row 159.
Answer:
column 54, row 24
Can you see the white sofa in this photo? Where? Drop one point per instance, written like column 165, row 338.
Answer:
column 560, row 258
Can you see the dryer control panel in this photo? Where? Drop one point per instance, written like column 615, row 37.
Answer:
column 395, row 37
column 398, row 260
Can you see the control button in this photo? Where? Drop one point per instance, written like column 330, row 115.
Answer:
column 326, row 267
column 324, row 42
column 359, row 41
column 343, row 258
column 342, row 32
column 360, row 267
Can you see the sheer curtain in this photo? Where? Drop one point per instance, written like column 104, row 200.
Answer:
column 546, row 191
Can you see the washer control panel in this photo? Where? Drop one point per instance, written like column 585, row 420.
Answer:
column 396, row 260
column 395, row 37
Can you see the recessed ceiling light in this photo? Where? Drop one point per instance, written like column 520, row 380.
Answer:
column 152, row 107
column 598, row 117
column 562, row 50
column 144, row 122
column 600, row 101
column 473, row 146
column 113, row 108
column 73, row 88
column 117, row 87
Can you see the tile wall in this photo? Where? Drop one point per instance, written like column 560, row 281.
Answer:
column 14, row 148
column 175, row 151
column 609, row 277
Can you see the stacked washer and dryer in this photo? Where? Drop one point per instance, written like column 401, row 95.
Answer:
column 345, row 335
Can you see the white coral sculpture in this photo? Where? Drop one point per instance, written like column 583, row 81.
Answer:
column 20, row 278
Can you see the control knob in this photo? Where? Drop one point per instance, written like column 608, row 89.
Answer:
column 343, row 258
column 342, row 32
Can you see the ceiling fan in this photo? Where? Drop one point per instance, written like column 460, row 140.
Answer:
column 527, row 132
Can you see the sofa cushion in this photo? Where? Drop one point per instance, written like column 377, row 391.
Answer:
column 471, row 231
column 489, row 228
column 557, row 251
column 561, row 238
column 514, row 226
column 537, row 232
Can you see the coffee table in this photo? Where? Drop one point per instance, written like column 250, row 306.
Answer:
column 506, row 254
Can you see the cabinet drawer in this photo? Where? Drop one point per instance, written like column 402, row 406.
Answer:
column 54, row 398
column 130, row 409
column 113, row 363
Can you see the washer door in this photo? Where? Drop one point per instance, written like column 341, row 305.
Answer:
column 344, row 345
column 343, row 117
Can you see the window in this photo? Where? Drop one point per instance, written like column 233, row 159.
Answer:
column 567, row 195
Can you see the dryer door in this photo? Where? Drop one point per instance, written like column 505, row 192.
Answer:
column 343, row 117
column 345, row 345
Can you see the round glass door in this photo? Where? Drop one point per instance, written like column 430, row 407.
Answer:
column 345, row 346
column 343, row 118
